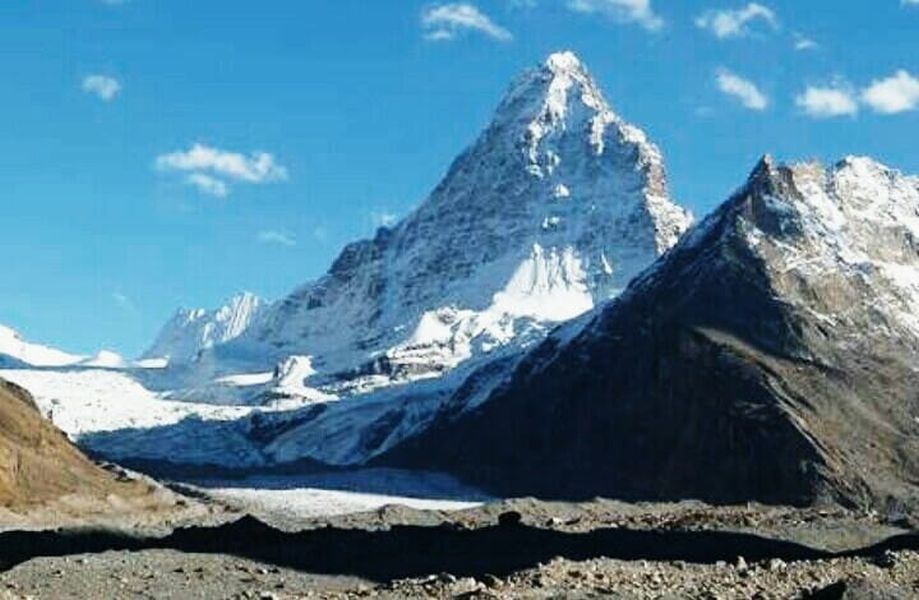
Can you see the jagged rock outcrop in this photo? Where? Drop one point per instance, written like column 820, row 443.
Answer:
column 771, row 356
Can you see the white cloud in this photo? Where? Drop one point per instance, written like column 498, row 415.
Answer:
column 803, row 42
column 895, row 94
column 209, row 168
column 910, row 2
column 208, row 185
column 836, row 100
column 446, row 21
column 258, row 167
column 106, row 88
column 728, row 23
column 744, row 90
column 280, row 238
column 624, row 11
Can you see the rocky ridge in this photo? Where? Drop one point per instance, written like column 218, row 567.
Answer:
column 770, row 356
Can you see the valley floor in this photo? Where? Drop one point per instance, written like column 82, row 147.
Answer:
column 508, row 549
column 395, row 534
column 169, row 574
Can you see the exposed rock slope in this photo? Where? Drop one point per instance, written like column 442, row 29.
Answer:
column 772, row 355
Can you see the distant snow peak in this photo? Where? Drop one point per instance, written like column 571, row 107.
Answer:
column 13, row 346
column 105, row 359
column 190, row 331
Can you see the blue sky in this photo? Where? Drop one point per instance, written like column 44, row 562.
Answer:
column 358, row 107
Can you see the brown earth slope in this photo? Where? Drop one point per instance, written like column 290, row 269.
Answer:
column 40, row 467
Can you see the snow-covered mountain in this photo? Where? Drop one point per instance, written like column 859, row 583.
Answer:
column 15, row 349
column 555, row 207
column 771, row 355
column 190, row 331
column 549, row 213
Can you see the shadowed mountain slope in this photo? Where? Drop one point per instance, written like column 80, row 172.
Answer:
column 772, row 355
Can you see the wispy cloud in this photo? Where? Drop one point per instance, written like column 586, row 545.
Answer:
column 639, row 12
column 895, row 94
column 104, row 87
column 909, row 2
column 742, row 89
column 209, row 169
column 208, row 185
column 280, row 238
column 727, row 23
column 836, row 100
column 802, row 43
column 443, row 22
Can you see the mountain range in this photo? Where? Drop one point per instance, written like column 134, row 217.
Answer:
column 549, row 322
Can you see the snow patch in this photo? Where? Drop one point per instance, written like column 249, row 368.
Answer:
column 37, row 355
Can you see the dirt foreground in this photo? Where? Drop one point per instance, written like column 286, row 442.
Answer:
column 513, row 549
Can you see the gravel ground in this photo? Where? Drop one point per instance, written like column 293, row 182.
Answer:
column 173, row 574
column 162, row 574
column 167, row 574
column 603, row 577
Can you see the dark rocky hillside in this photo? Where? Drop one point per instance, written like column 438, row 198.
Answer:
column 772, row 356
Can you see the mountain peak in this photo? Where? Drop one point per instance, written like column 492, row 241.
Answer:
column 558, row 90
column 554, row 208
column 564, row 61
column 192, row 330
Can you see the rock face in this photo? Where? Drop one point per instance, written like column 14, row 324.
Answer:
column 555, row 207
column 192, row 331
column 771, row 356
